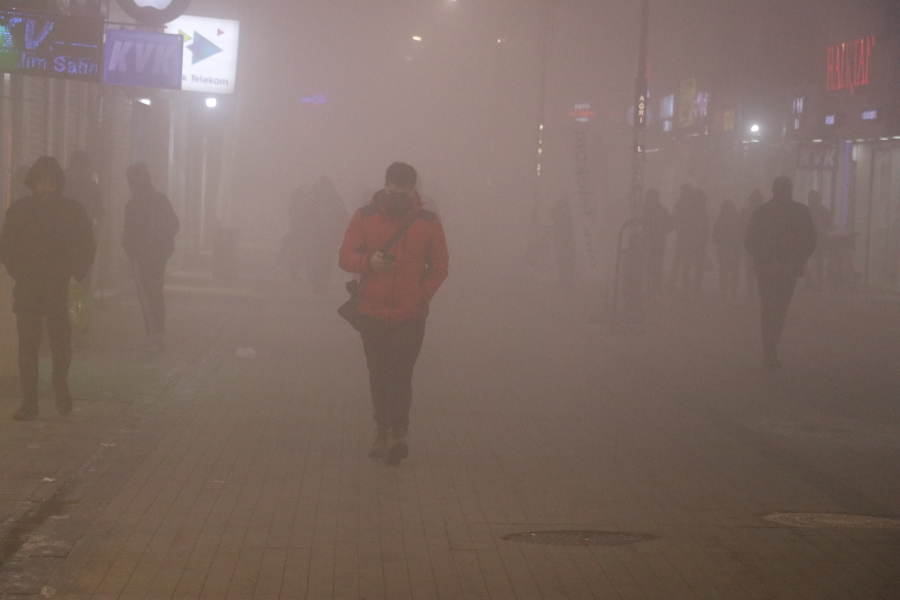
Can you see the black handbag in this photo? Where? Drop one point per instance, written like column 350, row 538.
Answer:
column 349, row 310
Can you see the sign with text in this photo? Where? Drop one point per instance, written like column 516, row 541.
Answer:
column 143, row 59
column 848, row 64
column 210, row 53
column 67, row 47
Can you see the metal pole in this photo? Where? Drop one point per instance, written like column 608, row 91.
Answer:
column 640, row 114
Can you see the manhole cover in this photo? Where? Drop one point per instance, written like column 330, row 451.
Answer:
column 824, row 520
column 578, row 538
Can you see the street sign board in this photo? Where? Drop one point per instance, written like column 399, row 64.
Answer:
column 51, row 46
column 210, row 53
column 143, row 59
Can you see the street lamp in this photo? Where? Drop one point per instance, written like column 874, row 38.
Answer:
column 754, row 128
column 211, row 103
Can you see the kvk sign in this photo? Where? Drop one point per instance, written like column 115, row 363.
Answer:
column 210, row 53
column 143, row 59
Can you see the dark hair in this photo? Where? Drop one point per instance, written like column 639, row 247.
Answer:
column 138, row 176
column 46, row 167
column 782, row 187
column 402, row 175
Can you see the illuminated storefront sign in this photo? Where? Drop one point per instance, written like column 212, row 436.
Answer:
column 870, row 115
column 848, row 64
column 830, row 120
column 143, row 59
column 210, row 53
column 582, row 113
column 67, row 47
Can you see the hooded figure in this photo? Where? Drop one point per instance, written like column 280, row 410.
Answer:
column 780, row 238
column 395, row 291
column 46, row 241
column 149, row 241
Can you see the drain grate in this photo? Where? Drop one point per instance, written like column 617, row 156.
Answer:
column 832, row 520
column 579, row 538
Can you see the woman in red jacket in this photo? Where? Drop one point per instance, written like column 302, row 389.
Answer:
column 396, row 288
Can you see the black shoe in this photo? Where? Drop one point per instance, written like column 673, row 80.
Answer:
column 26, row 412
column 397, row 448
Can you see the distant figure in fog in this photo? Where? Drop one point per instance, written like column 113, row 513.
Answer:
column 691, row 222
column 395, row 291
column 46, row 241
column 149, row 241
column 821, row 217
column 753, row 202
column 656, row 226
column 564, row 242
column 728, row 238
column 321, row 222
column 781, row 237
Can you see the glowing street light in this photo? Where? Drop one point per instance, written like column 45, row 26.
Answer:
column 754, row 128
column 417, row 38
column 211, row 103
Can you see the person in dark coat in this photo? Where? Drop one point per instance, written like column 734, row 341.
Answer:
column 781, row 237
column 728, row 239
column 753, row 202
column 46, row 241
column 149, row 241
column 656, row 226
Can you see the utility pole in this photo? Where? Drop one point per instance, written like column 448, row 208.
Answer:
column 640, row 115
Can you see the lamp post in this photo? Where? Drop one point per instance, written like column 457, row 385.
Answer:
column 640, row 114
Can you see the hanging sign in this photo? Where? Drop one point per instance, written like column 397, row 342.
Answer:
column 143, row 59
column 49, row 46
column 210, row 53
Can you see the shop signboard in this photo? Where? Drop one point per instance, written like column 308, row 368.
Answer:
column 51, row 46
column 143, row 59
column 210, row 53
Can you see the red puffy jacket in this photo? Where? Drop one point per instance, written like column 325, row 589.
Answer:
column 402, row 294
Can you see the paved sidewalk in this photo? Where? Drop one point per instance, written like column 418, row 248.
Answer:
column 201, row 474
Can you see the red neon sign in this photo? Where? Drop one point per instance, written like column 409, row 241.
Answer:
column 848, row 64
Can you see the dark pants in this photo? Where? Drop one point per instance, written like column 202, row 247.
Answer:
column 30, row 326
column 150, row 278
column 391, row 354
column 775, row 293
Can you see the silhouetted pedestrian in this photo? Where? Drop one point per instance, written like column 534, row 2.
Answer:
column 728, row 239
column 656, row 226
column 45, row 242
column 149, row 240
column 781, row 237
column 564, row 241
column 821, row 217
column 395, row 291
column 753, row 202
